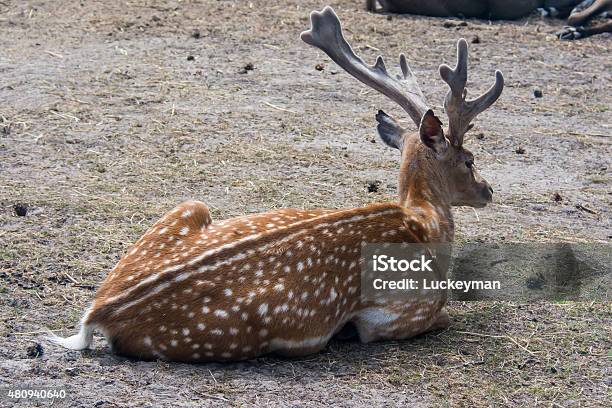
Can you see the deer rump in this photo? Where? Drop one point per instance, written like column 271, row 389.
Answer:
column 487, row 9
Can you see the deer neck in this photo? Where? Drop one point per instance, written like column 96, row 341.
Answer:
column 424, row 189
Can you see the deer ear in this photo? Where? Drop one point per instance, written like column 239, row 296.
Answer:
column 432, row 134
column 389, row 131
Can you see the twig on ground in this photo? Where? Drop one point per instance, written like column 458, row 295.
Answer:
column 54, row 54
column 279, row 108
column 499, row 337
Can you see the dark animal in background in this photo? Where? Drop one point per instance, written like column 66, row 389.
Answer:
column 578, row 13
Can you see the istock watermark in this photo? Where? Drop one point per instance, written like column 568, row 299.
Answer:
column 425, row 262
column 486, row 271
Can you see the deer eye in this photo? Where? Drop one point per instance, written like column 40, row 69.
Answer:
column 469, row 163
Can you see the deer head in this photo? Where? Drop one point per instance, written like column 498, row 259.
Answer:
column 434, row 161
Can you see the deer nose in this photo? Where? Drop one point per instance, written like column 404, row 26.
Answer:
column 487, row 191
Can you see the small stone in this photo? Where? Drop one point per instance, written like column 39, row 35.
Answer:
column 480, row 136
column 373, row 186
column 319, row 67
column 190, row 58
column 557, row 197
column 465, row 351
column 72, row 371
column 389, row 17
column 21, row 209
column 248, row 67
column 519, row 150
column 537, row 92
column 196, row 33
column 35, row 351
column 475, row 40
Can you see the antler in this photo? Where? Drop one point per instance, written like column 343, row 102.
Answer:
column 326, row 34
column 460, row 111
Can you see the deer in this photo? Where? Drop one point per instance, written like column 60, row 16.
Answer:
column 285, row 282
column 578, row 12
column 582, row 14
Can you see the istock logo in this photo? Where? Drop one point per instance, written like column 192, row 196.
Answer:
column 385, row 263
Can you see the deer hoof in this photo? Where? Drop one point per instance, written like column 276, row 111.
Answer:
column 570, row 33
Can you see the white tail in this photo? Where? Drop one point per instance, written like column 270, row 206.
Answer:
column 79, row 341
column 286, row 281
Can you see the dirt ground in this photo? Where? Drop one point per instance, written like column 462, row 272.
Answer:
column 111, row 113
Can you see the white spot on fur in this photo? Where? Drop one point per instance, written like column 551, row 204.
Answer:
column 263, row 309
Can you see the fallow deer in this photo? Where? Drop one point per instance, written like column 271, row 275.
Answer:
column 286, row 281
column 489, row 9
column 579, row 12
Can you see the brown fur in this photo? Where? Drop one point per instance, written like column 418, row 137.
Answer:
column 127, row 329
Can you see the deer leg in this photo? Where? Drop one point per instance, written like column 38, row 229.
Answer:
column 298, row 347
column 598, row 29
column 438, row 322
column 442, row 321
column 587, row 10
column 383, row 324
column 558, row 8
column 575, row 33
column 371, row 6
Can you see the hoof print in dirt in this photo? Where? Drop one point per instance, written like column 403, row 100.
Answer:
column 373, row 186
column 21, row 209
column 35, row 351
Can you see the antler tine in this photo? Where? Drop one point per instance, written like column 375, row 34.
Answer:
column 461, row 112
column 326, row 34
column 409, row 78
